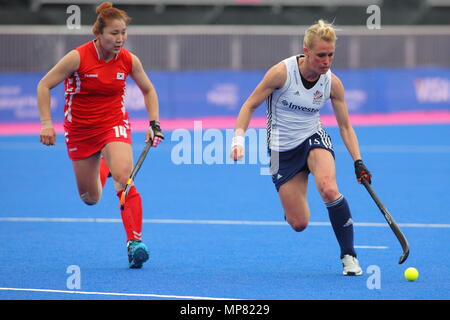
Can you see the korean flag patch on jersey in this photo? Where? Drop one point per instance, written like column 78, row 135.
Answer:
column 120, row 76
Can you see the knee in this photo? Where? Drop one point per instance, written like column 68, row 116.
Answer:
column 328, row 190
column 89, row 199
column 121, row 177
column 298, row 225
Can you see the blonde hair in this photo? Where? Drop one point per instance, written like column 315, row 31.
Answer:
column 105, row 13
column 322, row 30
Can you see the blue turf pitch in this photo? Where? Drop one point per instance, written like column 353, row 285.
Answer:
column 202, row 226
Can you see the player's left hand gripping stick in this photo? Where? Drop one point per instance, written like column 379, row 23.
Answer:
column 155, row 133
column 362, row 172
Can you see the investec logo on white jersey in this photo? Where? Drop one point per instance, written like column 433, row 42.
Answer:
column 293, row 112
column 290, row 105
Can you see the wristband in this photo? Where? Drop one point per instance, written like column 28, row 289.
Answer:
column 237, row 141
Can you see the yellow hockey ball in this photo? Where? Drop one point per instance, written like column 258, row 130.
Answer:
column 411, row 274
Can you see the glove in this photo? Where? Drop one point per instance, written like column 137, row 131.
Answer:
column 155, row 133
column 361, row 171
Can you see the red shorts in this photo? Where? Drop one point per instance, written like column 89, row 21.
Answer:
column 82, row 144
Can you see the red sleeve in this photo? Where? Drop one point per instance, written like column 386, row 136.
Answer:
column 82, row 51
column 128, row 57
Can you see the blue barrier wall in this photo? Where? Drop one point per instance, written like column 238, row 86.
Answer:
column 221, row 93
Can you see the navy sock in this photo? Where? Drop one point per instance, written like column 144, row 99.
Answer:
column 341, row 221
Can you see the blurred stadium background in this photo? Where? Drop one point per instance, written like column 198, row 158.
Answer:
column 215, row 52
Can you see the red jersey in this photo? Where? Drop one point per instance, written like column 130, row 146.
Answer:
column 95, row 93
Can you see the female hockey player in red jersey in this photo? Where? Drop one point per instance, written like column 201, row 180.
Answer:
column 96, row 125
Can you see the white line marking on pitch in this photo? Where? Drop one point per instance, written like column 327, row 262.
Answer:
column 371, row 247
column 117, row 294
column 217, row 222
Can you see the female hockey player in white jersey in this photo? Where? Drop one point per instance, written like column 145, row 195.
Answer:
column 296, row 89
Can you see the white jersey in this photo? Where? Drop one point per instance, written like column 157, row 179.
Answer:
column 293, row 112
